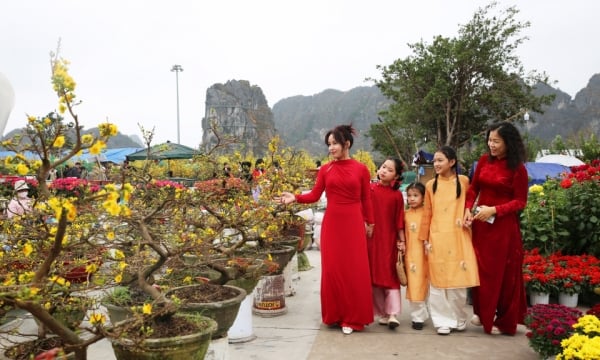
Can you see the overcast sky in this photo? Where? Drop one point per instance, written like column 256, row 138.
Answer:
column 122, row 51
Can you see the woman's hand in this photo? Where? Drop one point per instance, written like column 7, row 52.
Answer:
column 369, row 229
column 401, row 245
column 468, row 219
column 285, row 198
column 484, row 213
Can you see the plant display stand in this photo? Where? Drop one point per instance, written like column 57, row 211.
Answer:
column 290, row 272
column 269, row 296
column 242, row 329
column 218, row 349
column 303, row 263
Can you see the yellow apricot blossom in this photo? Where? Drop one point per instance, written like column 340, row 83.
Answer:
column 118, row 278
column 33, row 291
column 27, row 249
column 71, row 210
column 147, row 309
column 107, row 129
column 91, row 268
column 111, row 207
column 97, row 318
column 125, row 211
column 97, row 148
column 59, row 142
column 36, row 164
column 26, row 277
column 87, row 139
column 59, row 280
column 22, row 169
column 118, row 254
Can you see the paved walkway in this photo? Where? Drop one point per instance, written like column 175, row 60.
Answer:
column 299, row 335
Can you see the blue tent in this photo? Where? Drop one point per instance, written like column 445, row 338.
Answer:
column 116, row 155
column 28, row 154
column 540, row 172
column 422, row 157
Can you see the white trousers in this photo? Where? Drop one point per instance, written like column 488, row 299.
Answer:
column 418, row 311
column 448, row 307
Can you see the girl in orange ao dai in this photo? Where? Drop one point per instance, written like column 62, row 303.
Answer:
column 385, row 240
column 417, row 268
column 452, row 262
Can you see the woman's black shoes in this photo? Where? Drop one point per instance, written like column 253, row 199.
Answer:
column 417, row 325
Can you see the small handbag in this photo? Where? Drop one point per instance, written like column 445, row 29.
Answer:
column 400, row 271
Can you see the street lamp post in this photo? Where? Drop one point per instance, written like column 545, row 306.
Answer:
column 177, row 69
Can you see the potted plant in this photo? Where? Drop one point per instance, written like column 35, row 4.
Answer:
column 149, row 335
column 538, row 276
column 584, row 342
column 562, row 214
column 573, row 274
column 135, row 226
column 220, row 303
column 120, row 300
column 548, row 325
column 543, row 218
column 36, row 267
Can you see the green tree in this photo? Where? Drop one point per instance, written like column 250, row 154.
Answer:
column 590, row 147
column 449, row 90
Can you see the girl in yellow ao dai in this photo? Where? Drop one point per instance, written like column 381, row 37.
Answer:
column 452, row 262
column 417, row 269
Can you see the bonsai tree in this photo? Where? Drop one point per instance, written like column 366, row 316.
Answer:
column 85, row 239
column 51, row 252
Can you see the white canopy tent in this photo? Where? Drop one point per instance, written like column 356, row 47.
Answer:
column 565, row 160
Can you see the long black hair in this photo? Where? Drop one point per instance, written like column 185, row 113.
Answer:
column 450, row 154
column 515, row 148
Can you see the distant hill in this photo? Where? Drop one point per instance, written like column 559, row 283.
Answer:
column 302, row 121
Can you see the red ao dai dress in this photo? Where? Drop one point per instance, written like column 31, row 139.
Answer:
column 346, row 296
column 500, row 300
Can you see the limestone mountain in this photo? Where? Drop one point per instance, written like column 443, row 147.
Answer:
column 239, row 110
column 302, row 121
